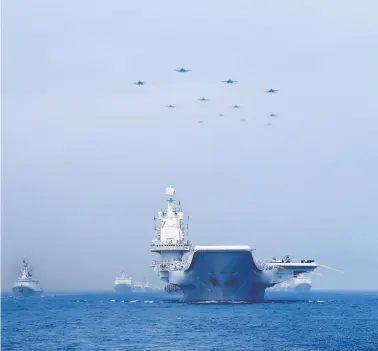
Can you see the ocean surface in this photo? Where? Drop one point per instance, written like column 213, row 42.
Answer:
column 323, row 321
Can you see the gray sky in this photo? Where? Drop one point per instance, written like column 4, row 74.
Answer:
column 86, row 155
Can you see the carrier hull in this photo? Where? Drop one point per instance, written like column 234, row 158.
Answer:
column 221, row 275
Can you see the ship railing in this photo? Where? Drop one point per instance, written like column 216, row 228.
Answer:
column 171, row 242
column 169, row 265
column 173, row 246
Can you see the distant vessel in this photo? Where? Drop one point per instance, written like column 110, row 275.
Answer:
column 147, row 286
column 25, row 285
column 123, row 284
column 138, row 287
column 299, row 284
column 219, row 273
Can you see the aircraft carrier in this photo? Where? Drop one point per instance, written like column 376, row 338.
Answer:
column 213, row 273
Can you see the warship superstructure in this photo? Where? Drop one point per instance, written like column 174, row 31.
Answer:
column 219, row 273
column 25, row 285
column 123, row 283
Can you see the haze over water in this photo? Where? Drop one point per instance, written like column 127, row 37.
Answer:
column 86, row 154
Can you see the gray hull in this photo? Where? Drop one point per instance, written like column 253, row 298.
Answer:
column 22, row 291
column 221, row 276
column 123, row 288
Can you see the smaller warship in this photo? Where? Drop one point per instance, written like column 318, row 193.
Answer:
column 123, row 284
column 147, row 286
column 138, row 287
column 25, row 285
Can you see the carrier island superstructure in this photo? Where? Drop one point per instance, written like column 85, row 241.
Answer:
column 214, row 273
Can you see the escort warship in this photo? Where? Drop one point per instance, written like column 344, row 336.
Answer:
column 213, row 273
column 25, row 285
column 123, row 284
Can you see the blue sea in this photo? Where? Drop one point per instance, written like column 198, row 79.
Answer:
column 325, row 321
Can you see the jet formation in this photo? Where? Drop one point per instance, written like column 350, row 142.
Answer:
column 203, row 99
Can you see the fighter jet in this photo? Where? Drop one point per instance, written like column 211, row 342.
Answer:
column 273, row 115
column 182, row 70
column 229, row 81
column 200, row 122
column 271, row 91
column 220, row 115
column 170, row 105
column 243, row 120
column 235, row 106
column 268, row 124
column 139, row 82
column 203, row 99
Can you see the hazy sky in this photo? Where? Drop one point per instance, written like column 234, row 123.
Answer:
column 86, row 155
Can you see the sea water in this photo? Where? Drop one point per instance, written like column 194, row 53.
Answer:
column 326, row 321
